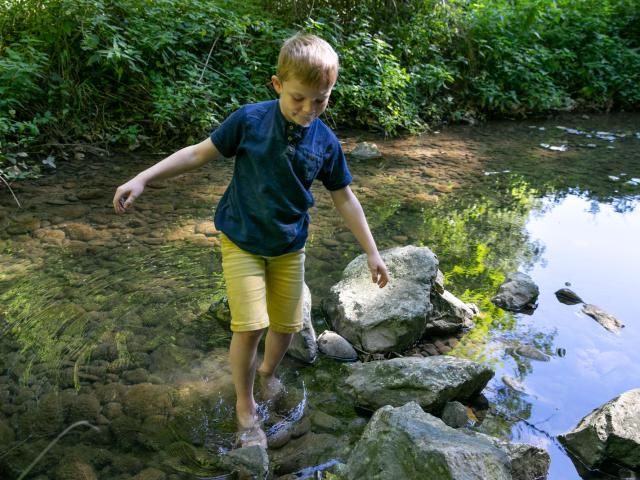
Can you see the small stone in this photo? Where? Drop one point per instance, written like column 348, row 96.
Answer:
column 330, row 242
column 336, row 347
column 455, row 415
column 365, row 151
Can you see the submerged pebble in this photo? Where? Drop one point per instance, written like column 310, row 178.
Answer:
column 532, row 353
column 568, row 297
column 555, row 148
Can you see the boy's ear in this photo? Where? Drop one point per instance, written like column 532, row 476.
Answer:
column 277, row 84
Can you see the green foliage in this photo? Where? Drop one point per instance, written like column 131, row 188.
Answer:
column 165, row 72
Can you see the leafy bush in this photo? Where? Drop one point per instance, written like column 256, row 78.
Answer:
column 165, row 72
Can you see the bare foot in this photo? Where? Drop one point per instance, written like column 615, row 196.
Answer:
column 250, row 431
column 270, row 386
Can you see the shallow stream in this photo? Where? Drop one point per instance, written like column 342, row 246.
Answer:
column 106, row 318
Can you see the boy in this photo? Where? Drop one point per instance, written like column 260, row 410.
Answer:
column 280, row 147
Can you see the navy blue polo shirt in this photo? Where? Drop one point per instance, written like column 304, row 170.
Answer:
column 265, row 207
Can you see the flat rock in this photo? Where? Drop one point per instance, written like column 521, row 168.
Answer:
column 430, row 381
column 365, row 151
column 605, row 319
column 449, row 314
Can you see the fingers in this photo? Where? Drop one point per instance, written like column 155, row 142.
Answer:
column 379, row 275
column 122, row 200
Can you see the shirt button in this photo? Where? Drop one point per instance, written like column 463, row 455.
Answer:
column 290, row 137
column 290, row 149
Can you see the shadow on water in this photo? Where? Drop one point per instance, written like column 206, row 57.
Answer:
column 106, row 318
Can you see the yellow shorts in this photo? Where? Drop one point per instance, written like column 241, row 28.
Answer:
column 263, row 291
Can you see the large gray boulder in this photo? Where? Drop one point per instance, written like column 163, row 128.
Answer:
column 303, row 345
column 610, row 433
column 407, row 443
column 430, row 381
column 518, row 293
column 379, row 320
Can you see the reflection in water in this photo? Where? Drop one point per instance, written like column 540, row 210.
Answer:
column 106, row 318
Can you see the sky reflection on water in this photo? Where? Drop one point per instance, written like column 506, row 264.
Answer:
column 595, row 250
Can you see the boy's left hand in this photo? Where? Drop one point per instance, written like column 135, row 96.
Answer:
column 378, row 269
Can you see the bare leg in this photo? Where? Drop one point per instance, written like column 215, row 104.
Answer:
column 242, row 357
column 275, row 346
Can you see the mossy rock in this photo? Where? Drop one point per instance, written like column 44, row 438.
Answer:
column 145, row 399
column 155, row 433
column 75, row 470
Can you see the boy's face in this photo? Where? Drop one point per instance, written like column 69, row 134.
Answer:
column 300, row 103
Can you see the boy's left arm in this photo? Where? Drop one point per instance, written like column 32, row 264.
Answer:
column 351, row 211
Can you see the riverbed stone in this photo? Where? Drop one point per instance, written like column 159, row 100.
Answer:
column 449, row 314
column 406, row 442
column 379, row 320
column 303, row 345
column 531, row 352
column 83, row 407
column 518, row 293
column 75, row 470
column 568, row 296
column 610, row 433
column 146, row 399
column 249, row 463
column 365, row 151
column 337, row 347
column 309, row 449
column 605, row 319
column 150, row 474
column 430, row 381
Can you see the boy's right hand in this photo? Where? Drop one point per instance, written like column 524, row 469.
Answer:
column 126, row 194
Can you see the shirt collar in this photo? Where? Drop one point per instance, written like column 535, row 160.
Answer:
column 290, row 128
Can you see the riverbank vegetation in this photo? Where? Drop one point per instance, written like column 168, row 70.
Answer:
column 80, row 74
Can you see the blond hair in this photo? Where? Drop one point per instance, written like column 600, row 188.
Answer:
column 309, row 59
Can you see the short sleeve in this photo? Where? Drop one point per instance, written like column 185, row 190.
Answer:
column 334, row 173
column 228, row 135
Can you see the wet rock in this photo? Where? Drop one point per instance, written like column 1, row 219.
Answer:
column 568, row 297
column 25, row 223
column 405, row 442
column 7, row 434
column 608, row 321
column 531, row 352
column 249, row 463
column 449, row 314
column 110, row 392
column 83, row 232
column 146, row 399
column 431, row 381
column 514, row 384
column 334, row 346
column 112, row 410
column 52, row 236
column 365, row 151
column 610, row 433
column 324, row 423
column 139, row 375
column 379, row 320
column 75, row 470
column 301, row 427
column 83, row 407
column 303, row 345
column 125, row 431
column 279, row 437
column 150, row 474
column 455, row 415
column 310, row 449
column 155, row 433
column 518, row 293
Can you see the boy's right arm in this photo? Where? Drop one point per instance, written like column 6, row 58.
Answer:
column 189, row 158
